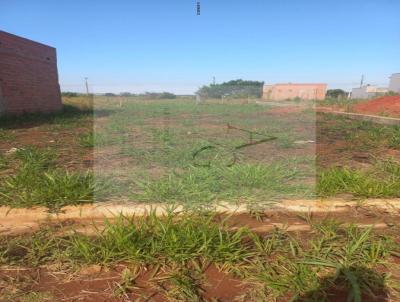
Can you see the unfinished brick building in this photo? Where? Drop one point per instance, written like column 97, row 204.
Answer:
column 28, row 76
column 285, row 91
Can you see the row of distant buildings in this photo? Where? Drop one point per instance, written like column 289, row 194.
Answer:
column 317, row 91
column 369, row 91
column 29, row 80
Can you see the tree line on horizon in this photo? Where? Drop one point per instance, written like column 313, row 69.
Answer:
column 233, row 89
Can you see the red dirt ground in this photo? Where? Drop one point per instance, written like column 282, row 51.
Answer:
column 286, row 109
column 94, row 283
column 387, row 105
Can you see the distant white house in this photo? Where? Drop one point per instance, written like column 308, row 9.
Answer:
column 394, row 84
column 367, row 91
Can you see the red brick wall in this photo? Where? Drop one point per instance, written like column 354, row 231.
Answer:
column 28, row 76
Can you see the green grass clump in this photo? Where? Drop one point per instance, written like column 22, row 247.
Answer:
column 34, row 158
column 275, row 265
column 3, row 161
column 86, row 140
column 6, row 135
column 161, row 240
column 38, row 182
column 52, row 189
column 200, row 185
column 382, row 181
column 336, row 258
column 100, row 138
column 394, row 141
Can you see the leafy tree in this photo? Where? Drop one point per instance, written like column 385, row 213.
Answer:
column 159, row 95
column 125, row 94
column 336, row 94
column 166, row 95
column 235, row 88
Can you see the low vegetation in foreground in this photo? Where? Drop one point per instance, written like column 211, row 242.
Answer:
column 381, row 180
column 332, row 260
column 177, row 151
column 38, row 181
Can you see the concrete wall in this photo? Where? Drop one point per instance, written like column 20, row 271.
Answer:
column 28, row 76
column 366, row 92
column 394, row 84
column 279, row 92
column 361, row 93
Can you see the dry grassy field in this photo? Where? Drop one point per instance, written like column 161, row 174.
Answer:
column 169, row 152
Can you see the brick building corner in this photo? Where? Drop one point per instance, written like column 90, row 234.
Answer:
column 28, row 76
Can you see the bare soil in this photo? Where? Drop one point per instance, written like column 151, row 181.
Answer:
column 70, row 154
column 387, row 105
column 96, row 283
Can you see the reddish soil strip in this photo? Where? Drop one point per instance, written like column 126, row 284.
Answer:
column 387, row 105
column 367, row 117
column 97, row 284
column 287, row 109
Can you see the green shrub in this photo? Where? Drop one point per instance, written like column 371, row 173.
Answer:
column 38, row 182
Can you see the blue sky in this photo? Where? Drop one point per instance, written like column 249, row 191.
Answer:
column 137, row 46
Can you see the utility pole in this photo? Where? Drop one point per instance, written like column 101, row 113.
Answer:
column 362, row 81
column 213, row 80
column 86, row 85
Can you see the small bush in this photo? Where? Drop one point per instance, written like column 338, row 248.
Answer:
column 38, row 182
column 361, row 184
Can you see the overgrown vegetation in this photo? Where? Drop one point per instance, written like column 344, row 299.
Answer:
column 147, row 154
column 277, row 264
column 242, row 182
column 336, row 94
column 234, row 89
column 37, row 181
column 145, row 149
column 380, row 181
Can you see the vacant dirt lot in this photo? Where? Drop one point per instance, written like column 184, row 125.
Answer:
column 201, row 159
